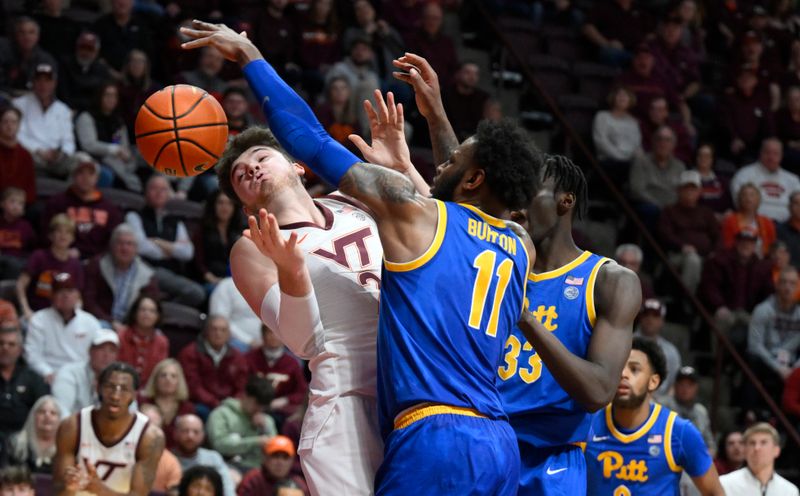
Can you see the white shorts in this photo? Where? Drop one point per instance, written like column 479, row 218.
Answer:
column 340, row 446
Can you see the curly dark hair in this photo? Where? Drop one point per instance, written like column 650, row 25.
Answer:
column 253, row 136
column 200, row 472
column 655, row 355
column 510, row 160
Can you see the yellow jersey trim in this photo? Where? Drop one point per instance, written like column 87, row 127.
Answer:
column 641, row 431
column 590, row 310
column 441, row 227
column 524, row 282
column 668, row 443
column 561, row 270
column 491, row 220
column 426, row 411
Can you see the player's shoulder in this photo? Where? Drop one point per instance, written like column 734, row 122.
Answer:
column 152, row 442
column 618, row 283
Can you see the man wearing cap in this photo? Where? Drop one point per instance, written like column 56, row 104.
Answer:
column 20, row 55
column 81, row 74
column 279, row 457
column 762, row 446
column 689, row 231
column 775, row 183
column 95, row 216
column 684, row 401
column 75, row 384
column 61, row 333
column 651, row 323
column 20, row 386
column 46, row 128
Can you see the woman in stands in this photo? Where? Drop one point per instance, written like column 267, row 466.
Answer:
column 221, row 227
column 136, row 86
column 746, row 215
column 35, row 445
column 166, row 388
column 616, row 134
column 142, row 344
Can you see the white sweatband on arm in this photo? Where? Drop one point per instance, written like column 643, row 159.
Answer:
column 295, row 320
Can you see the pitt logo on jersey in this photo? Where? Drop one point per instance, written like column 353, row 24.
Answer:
column 614, row 466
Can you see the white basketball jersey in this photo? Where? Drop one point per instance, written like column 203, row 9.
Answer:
column 114, row 463
column 344, row 260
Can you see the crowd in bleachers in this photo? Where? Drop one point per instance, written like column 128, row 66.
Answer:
column 101, row 259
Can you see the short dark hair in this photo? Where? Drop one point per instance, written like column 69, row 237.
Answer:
column 253, row 136
column 568, row 178
column 234, row 90
column 15, row 475
column 259, row 388
column 200, row 472
column 121, row 367
column 509, row 159
column 655, row 355
column 130, row 319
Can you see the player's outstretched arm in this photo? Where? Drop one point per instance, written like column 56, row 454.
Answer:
column 67, row 479
column 593, row 381
column 417, row 72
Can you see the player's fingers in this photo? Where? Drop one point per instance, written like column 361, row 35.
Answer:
column 371, row 114
column 362, row 145
column 400, row 118
column 402, row 76
column 255, row 232
column 292, row 242
column 391, row 107
column 383, row 112
column 200, row 42
column 208, row 26
column 274, row 231
column 420, row 62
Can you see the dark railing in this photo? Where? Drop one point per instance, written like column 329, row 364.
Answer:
column 623, row 203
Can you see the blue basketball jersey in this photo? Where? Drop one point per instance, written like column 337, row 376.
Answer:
column 540, row 411
column 445, row 316
column 646, row 461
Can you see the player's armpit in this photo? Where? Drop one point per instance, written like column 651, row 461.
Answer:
column 708, row 484
column 148, row 455
column 64, row 482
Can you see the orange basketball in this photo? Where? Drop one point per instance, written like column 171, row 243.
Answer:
column 181, row 130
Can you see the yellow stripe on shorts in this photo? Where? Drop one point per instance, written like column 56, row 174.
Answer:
column 426, row 411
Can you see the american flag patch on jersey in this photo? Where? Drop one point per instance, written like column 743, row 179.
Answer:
column 654, row 439
column 574, row 281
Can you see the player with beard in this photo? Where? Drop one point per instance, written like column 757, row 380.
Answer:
column 452, row 286
column 107, row 450
column 639, row 447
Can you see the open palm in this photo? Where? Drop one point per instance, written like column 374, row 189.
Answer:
column 389, row 147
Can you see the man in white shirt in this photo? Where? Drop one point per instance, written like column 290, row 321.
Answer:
column 61, row 333
column 758, row 477
column 46, row 128
column 75, row 385
column 776, row 184
column 245, row 325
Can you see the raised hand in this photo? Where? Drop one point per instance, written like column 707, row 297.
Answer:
column 389, row 147
column 266, row 235
column 232, row 45
column 420, row 75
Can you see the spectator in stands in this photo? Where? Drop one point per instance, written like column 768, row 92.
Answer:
column 189, row 437
column 82, row 73
column 792, row 75
column 115, row 279
column 651, row 323
column 8, row 314
column 164, row 243
column 46, row 127
column 135, row 86
column 102, row 133
column 21, row 55
column 60, row 334
column 692, row 35
column 317, row 42
column 751, row 54
column 274, row 36
column 222, row 225
column 714, row 189
column 787, row 127
column 17, row 169
column 615, row 28
column 20, row 384
column 239, row 427
column 234, row 102
column 16, row 481
column 384, row 38
column 142, row 344
column 284, row 371
column 58, row 31
column 689, row 231
column 207, row 73
column 123, row 30
column 781, row 259
column 245, row 325
column 201, row 480
column 338, row 111
column 746, row 216
column 644, row 83
column 616, row 135
column 775, row 183
column 34, row 285
column 684, row 401
column 762, row 447
column 167, row 389
column 789, row 231
column 17, row 238
column 431, row 43
column 655, row 176
column 35, row 445
column 464, row 101
column 279, row 454
column 730, row 452
column 359, row 68
column 630, row 256
column 94, row 215
column 677, row 64
column 745, row 117
column 169, row 470
column 404, row 15
column 214, row 370
column 658, row 114
column 75, row 384
column 734, row 281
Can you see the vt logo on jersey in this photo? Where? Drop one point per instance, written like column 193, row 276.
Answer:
column 347, row 243
column 614, row 465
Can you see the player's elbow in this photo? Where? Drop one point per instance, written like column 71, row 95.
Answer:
column 598, row 397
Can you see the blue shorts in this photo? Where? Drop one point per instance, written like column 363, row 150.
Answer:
column 552, row 471
column 450, row 454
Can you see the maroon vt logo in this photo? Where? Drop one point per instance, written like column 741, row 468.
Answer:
column 104, row 468
column 339, row 254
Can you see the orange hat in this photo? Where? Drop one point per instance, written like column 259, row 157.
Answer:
column 279, row 444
